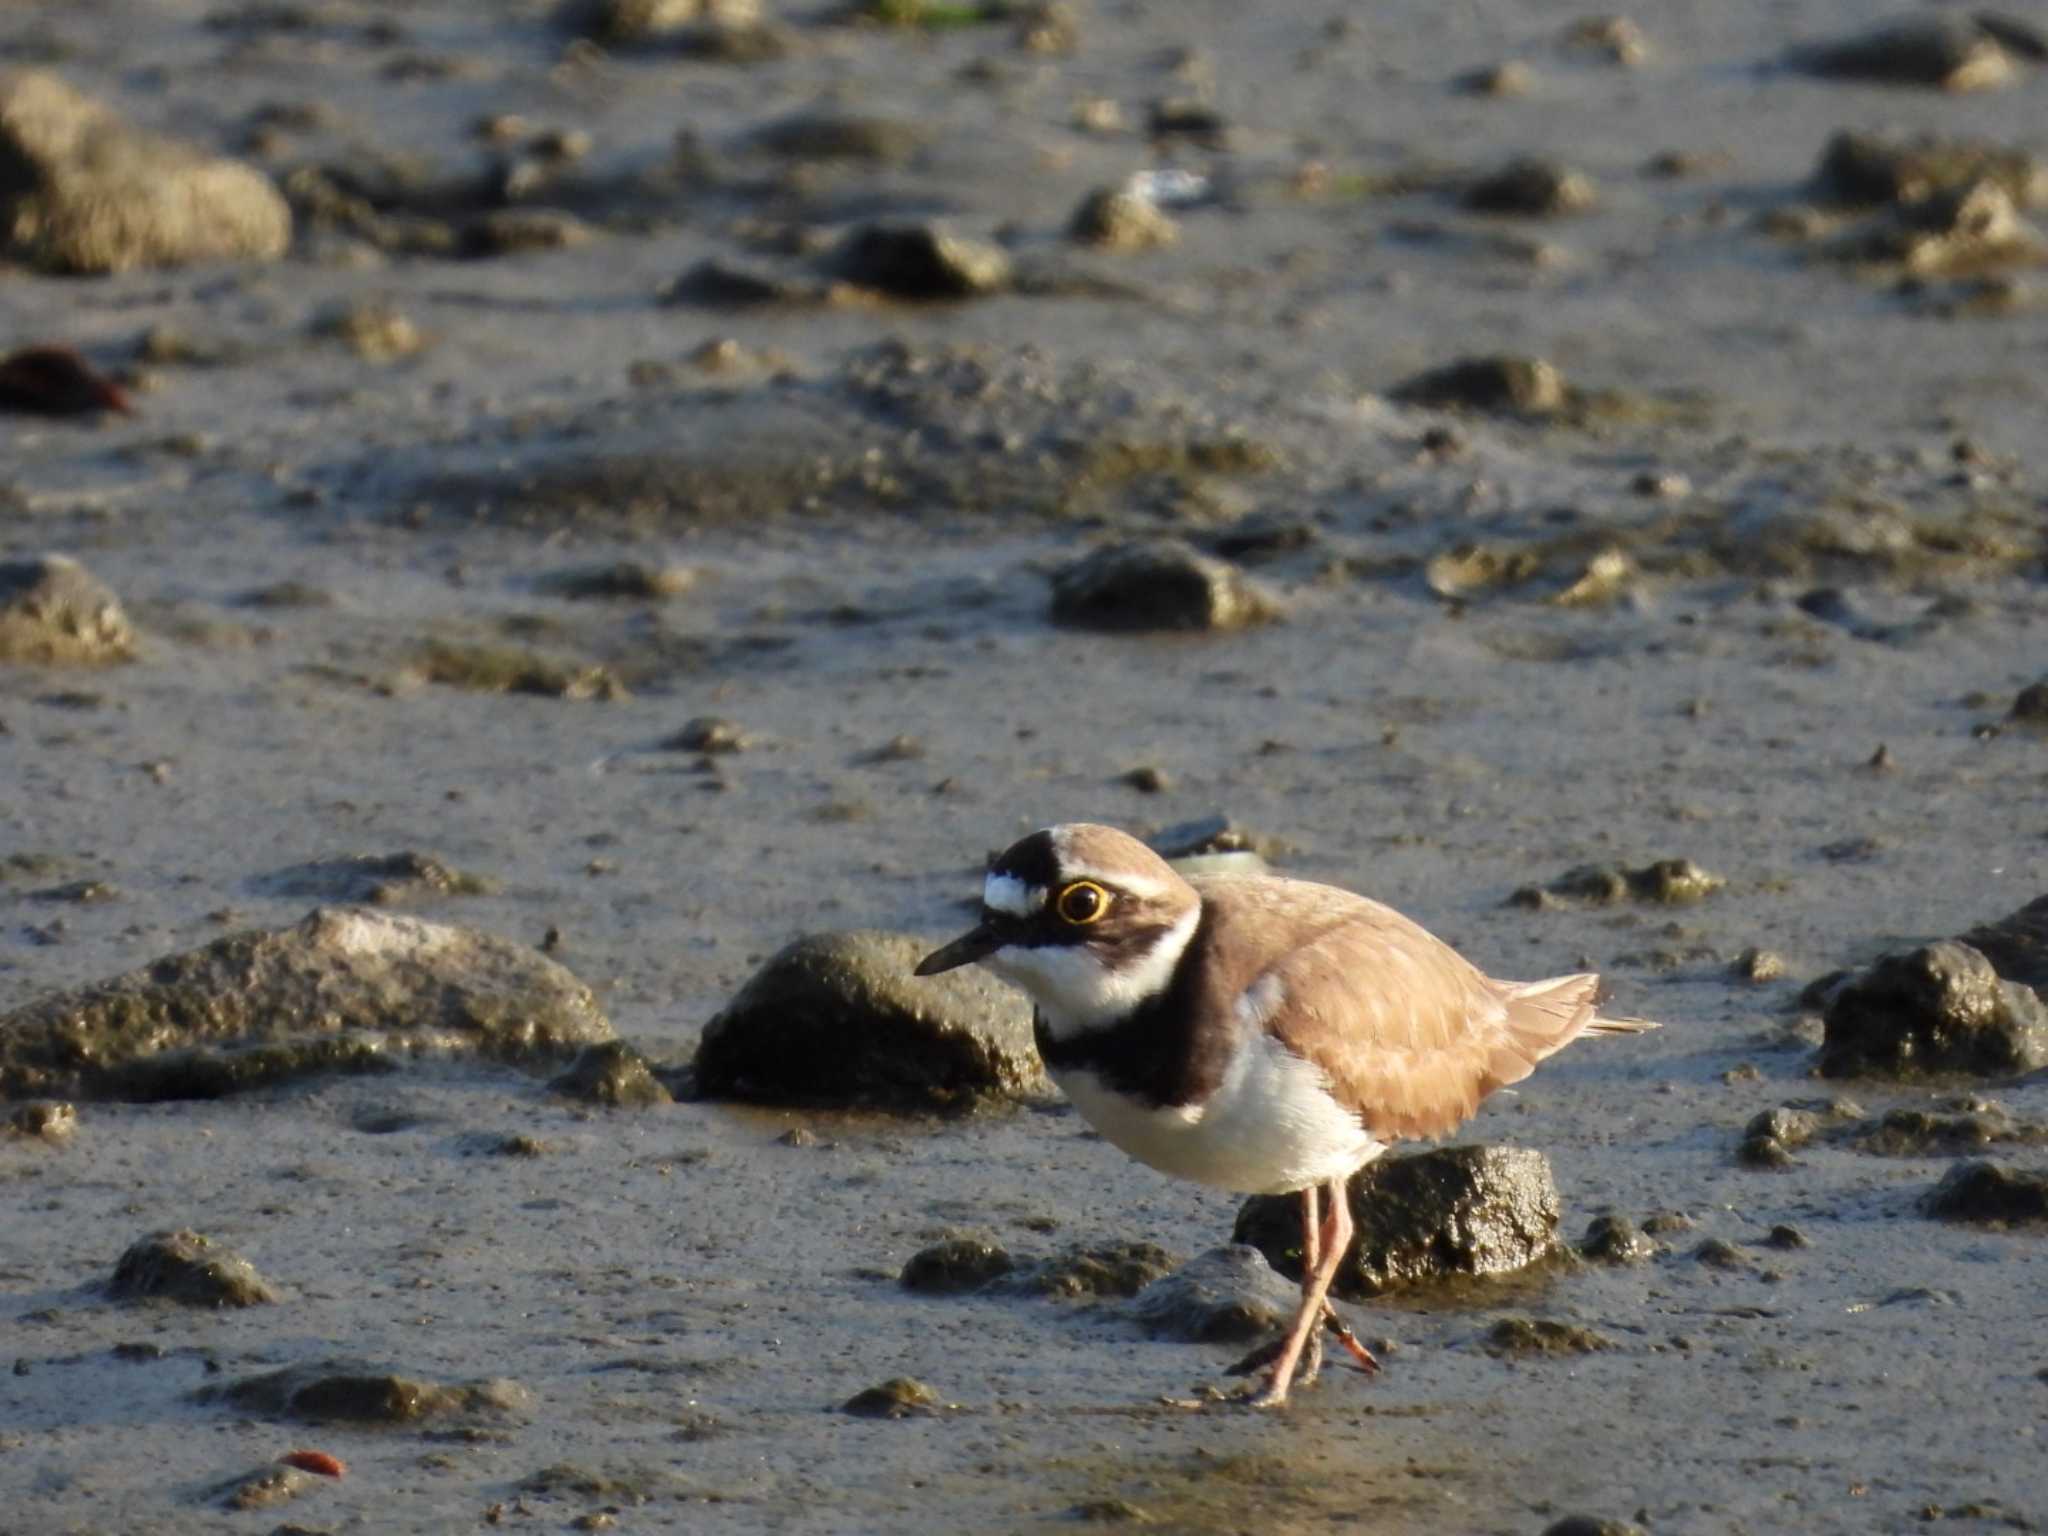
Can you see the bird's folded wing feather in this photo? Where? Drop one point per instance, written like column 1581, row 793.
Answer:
column 1402, row 1025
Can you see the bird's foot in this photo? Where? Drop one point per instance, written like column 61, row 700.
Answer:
column 1268, row 1354
column 1365, row 1359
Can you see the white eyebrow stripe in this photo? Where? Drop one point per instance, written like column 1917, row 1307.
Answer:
column 1139, row 886
column 1009, row 895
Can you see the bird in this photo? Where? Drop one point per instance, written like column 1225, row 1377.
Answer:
column 49, row 380
column 1255, row 1033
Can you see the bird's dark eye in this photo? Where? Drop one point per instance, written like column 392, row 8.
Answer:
column 1082, row 903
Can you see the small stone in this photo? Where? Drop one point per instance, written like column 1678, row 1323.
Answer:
column 1661, row 485
column 1591, row 1525
column 1787, row 1237
column 1155, row 584
column 2030, row 706
column 1229, row 1295
column 826, row 136
column 1988, row 1193
column 508, row 231
column 1866, row 169
column 1509, row 78
column 1718, row 1253
column 956, row 1266
column 1946, row 52
column 1117, row 1269
column 921, row 261
column 621, row 580
column 711, row 735
column 183, row 1266
column 1758, row 965
column 58, row 381
column 54, row 612
column 614, row 1075
column 1146, row 779
column 623, row 23
column 901, row 1397
column 1425, row 1217
column 56, row 1123
column 1618, row 39
column 1615, row 1240
column 1525, row 385
column 373, row 330
column 1116, row 219
column 1533, row 188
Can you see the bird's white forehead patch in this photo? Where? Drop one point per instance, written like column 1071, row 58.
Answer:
column 1011, row 896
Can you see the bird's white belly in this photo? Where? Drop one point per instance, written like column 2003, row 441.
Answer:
column 1270, row 1128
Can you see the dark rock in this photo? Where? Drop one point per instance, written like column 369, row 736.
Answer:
column 1590, row 1525
column 57, row 381
column 625, row 23
column 1787, row 1237
column 2021, row 38
column 613, row 1074
column 1965, row 230
column 838, row 1019
column 824, row 136
column 1940, row 1008
column 2016, row 944
column 1615, row 1240
column 1866, row 168
column 183, row 1266
column 1156, row 584
column 710, row 735
column 54, row 612
column 1228, row 1295
column 901, row 1397
column 620, row 581
column 512, row 669
column 1946, row 52
column 1146, row 779
column 1525, row 1336
column 921, row 261
column 1527, row 385
column 1532, row 188
column 508, row 231
column 53, row 1122
column 347, row 989
column 1788, row 1124
column 718, row 285
column 1185, row 117
column 955, row 1266
column 351, row 1392
column 86, row 193
column 1758, row 965
column 2030, row 705
column 1426, row 1217
column 381, row 880
column 1117, row 219
column 1205, row 837
column 1986, row 1192
column 1119, row 1269
column 1960, row 1125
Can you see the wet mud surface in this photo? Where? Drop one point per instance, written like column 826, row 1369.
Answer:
column 1570, row 477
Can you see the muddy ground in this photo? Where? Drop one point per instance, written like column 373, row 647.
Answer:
column 1779, row 511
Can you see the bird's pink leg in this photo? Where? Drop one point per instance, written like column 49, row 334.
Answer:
column 1365, row 1358
column 1332, row 1241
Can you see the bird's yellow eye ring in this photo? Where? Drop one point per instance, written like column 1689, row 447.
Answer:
column 1082, row 903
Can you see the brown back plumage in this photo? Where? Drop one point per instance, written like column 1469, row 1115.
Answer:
column 1408, row 1032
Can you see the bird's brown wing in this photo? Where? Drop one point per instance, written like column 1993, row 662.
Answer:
column 1403, row 1026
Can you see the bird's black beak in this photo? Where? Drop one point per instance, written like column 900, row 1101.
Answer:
column 974, row 944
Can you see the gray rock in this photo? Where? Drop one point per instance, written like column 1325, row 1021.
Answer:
column 1157, row 584
column 1615, row 1240
column 352, row 1392
column 1424, row 1218
column 838, row 1019
column 54, row 612
column 1532, row 188
column 83, row 192
column 1940, row 1008
column 1950, row 53
column 1119, row 220
column 1982, row 1191
column 1229, row 1295
column 346, row 989
column 1524, row 385
column 921, row 261
column 614, row 1075
column 183, row 1266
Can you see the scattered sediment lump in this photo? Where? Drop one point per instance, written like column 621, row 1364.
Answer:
column 1522, row 385
column 1939, row 1008
column 1531, row 187
column 838, row 1019
column 620, row 581
column 1152, row 584
column 1526, row 1337
column 263, row 1488
column 2016, row 944
column 900, row 1397
column 613, row 1074
column 1664, row 882
column 1612, row 1239
column 46, row 380
column 1591, row 1525
column 1112, row 1270
column 623, row 23
column 1118, row 219
column 49, row 1120
column 1992, row 1194
column 87, row 193
column 1863, row 169
column 1229, row 1295
column 54, row 612
column 355, row 1392
column 955, row 1266
column 346, row 989
column 381, row 880
column 1426, row 1217
column 186, row 1267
